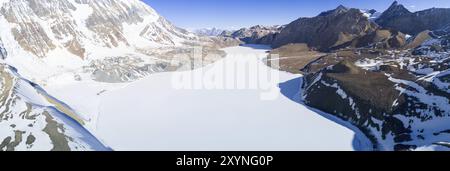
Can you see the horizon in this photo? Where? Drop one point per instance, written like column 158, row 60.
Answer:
column 201, row 14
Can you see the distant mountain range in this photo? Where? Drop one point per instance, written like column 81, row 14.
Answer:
column 349, row 26
column 209, row 31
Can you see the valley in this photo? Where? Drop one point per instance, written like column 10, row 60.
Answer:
column 80, row 75
column 215, row 119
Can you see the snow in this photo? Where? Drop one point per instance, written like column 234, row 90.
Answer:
column 29, row 94
column 432, row 148
column 407, row 36
column 208, row 31
column 339, row 91
column 371, row 17
column 75, row 94
column 153, row 115
column 32, row 98
column 369, row 64
column 59, row 61
column 442, row 85
column 431, row 42
column 421, row 94
column 209, row 118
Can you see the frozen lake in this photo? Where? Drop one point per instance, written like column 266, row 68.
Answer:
column 153, row 114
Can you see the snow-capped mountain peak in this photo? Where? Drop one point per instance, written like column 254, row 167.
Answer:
column 60, row 36
column 371, row 14
column 208, row 31
column 82, row 26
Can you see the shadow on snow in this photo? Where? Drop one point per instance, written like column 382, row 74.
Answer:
column 292, row 90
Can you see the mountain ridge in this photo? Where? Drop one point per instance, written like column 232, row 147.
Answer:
column 399, row 18
column 328, row 29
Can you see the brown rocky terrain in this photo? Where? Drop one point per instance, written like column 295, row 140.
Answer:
column 293, row 57
column 419, row 39
column 381, row 39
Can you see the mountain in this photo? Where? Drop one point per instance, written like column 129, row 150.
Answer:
column 381, row 39
column 327, row 30
column 208, row 31
column 256, row 34
column 79, row 27
column 100, row 44
column 88, row 38
column 66, row 63
column 392, row 86
column 226, row 33
column 401, row 19
column 400, row 101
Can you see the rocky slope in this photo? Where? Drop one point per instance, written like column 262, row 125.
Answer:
column 327, row 30
column 400, row 101
column 380, row 39
column 401, row 19
column 30, row 119
column 436, row 44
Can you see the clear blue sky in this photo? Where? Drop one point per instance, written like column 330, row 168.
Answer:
column 192, row 14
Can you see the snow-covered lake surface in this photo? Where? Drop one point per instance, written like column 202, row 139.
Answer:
column 152, row 114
